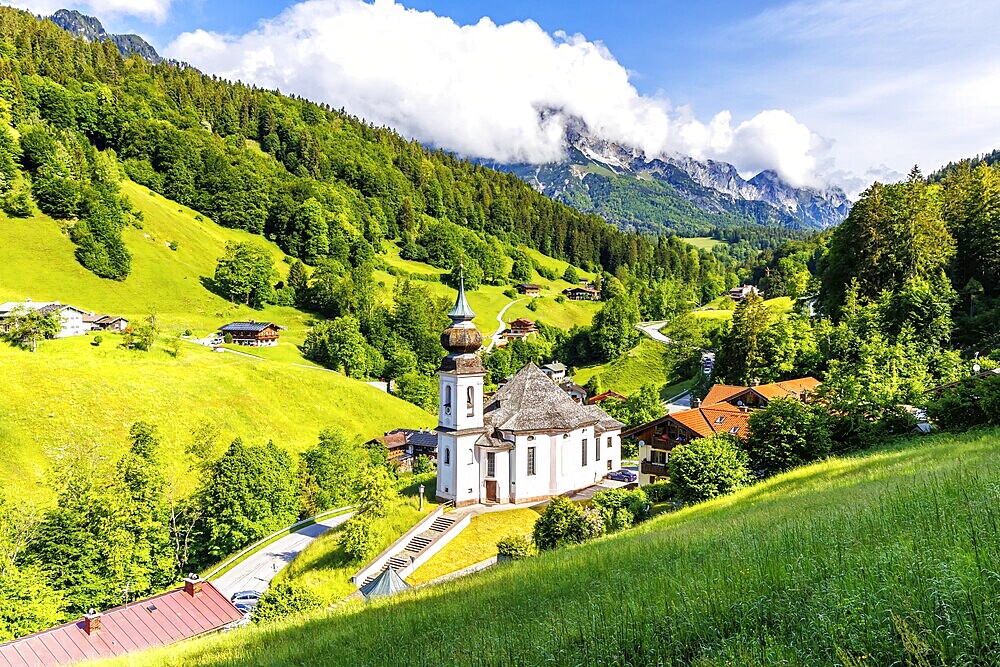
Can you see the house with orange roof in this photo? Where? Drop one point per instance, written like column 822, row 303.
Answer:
column 726, row 409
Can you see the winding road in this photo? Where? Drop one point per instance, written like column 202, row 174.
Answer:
column 256, row 572
column 495, row 338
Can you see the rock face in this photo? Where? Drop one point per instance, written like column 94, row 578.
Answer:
column 92, row 30
column 675, row 192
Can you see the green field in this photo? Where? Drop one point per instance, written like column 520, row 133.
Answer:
column 702, row 242
column 888, row 558
column 723, row 307
column 644, row 364
column 72, row 393
column 477, row 542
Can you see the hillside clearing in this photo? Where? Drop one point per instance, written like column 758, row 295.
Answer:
column 644, row 364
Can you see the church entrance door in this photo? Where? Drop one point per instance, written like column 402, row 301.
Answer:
column 491, row 490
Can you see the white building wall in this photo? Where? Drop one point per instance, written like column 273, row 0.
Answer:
column 537, row 485
column 459, row 417
column 71, row 323
column 458, row 479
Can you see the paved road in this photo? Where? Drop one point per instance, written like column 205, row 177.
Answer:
column 652, row 329
column 256, row 572
column 498, row 334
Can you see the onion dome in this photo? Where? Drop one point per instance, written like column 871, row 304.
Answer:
column 461, row 338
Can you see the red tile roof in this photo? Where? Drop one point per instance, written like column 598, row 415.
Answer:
column 156, row 621
column 606, row 395
column 787, row 388
column 722, row 392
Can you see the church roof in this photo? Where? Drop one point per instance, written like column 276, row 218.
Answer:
column 605, row 421
column 461, row 311
column 530, row 401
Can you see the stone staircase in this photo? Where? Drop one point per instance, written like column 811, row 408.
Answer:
column 416, row 545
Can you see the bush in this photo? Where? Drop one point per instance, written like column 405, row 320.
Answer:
column 513, row 547
column 283, row 600
column 592, row 523
column 173, row 245
column 708, row 467
column 510, row 293
column 422, row 465
column 560, row 524
column 533, row 305
column 658, row 492
column 560, row 299
column 621, row 508
column 98, row 339
column 360, row 537
column 227, row 338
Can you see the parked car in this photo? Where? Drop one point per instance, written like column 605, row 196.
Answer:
column 623, row 475
column 246, row 601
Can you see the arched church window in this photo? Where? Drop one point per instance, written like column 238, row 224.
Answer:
column 470, row 401
column 447, row 400
column 447, row 456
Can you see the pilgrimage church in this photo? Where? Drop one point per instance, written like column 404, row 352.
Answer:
column 529, row 442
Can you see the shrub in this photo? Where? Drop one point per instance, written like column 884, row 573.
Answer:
column 173, row 245
column 571, row 275
column 560, row 299
column 422, row 465
column 658, row 492
column 621, row 508
column 98, row 339
column 592, row 523
column 360, row 537
column 708, row 467
column 228, row 338
column 560, row 524
column 187, row 332
column 533, row 305
column 283, row 600
column 513, row 547
column 510, row 293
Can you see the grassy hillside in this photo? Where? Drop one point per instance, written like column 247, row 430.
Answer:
column 882, row 559
column 702, row 242
column 72, row 392
column 644, row 364
column 723, row 307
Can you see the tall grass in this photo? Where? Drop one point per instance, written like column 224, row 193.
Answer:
column 888, row 559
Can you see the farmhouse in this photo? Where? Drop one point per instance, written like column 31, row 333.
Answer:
column 575, row 391
column 70, row 317
column 196, row 609
column 528, row 289
column 521, row 328
column 251, row 333
column 582, row 293
column 406, row 444
column 726, row 409
column 743, row 291
column 555, row 370
column 529, row 442
column 99, row 322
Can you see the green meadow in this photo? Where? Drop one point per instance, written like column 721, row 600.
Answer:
column 644, row 364
column 883, row 559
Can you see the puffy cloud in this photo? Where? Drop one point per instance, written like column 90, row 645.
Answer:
column 154, row 10
column 505, row 92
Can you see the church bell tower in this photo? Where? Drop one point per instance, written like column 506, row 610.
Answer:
column 460, row 407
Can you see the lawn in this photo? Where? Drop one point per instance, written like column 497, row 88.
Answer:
column 563, row 315
column 70, row 392
column 644, row 364
column 702, row 242
column 477, row 542
column 881, row 559
column 327, row 570
column 723, row 307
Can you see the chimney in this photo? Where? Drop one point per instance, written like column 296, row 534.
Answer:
column 744, row 408
column 192, row 585
column 91, row 622
column 756, row 382
column 697, row 403
column 805, row 395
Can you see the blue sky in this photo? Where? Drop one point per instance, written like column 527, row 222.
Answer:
column 824, row 91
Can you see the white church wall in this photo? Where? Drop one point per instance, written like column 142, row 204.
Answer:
column 537, row 485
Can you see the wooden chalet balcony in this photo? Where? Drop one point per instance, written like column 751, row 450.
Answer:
column 650, row 468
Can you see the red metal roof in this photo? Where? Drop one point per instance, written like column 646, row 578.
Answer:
column 156, row 621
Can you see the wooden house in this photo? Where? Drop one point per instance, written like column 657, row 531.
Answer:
column 582, row 294
column 521, row 328
column 253, row 334
column 528, row 289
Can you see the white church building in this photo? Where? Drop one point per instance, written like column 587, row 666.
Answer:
column 530, row 441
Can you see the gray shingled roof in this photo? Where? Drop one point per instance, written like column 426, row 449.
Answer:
column 530, row 401
column 607, row 422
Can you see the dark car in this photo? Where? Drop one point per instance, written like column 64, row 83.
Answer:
column 623, row 475
column 246, row 601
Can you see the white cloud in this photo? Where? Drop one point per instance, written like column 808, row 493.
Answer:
column 505, row 92
column 153, row 10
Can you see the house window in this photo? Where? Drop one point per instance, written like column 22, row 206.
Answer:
column 447, row 456
column 531, row 461
column 447, row 400
column 470, row 401
column 583, row 445
column 491, row 464
column 609, row 464
column 658, row 456
column 609, row 443
column 719, row 420
column 734, row 430
column 597, row 449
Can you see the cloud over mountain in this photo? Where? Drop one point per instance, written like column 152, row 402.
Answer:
column 504, row 92
column 153, row 10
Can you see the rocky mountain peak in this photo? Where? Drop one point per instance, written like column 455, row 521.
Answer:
column 92, row 30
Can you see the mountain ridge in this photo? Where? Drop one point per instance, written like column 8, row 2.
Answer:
column 91, row 29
